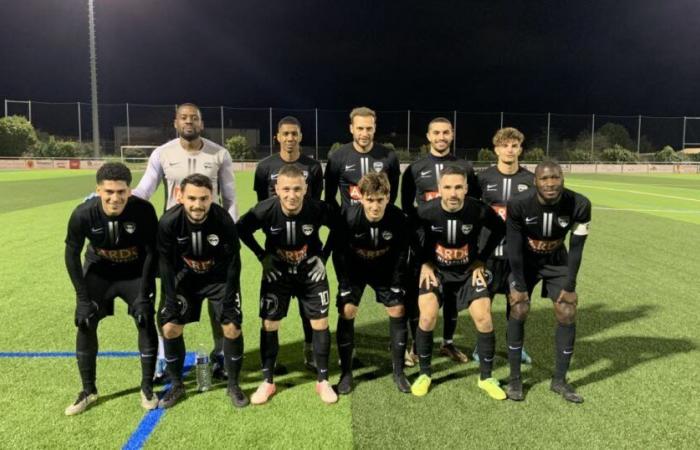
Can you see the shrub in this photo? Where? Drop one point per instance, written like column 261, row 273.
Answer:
column 534, row 155
column 334, row 148
column 486, row 155
column 618, row 154
column 239, row 149
column 577, row 155
column 17, row 136
column 54, row 148
column 667, row 154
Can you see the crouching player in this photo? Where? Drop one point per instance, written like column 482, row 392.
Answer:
column 537, row 223
column 453, row 270
column 199, row 258
column 293, row 264
column 371, row 248
column 119, row 262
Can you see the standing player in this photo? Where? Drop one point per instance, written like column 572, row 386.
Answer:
column 537, row 224
column 419, row 184
column 266, row 173
column 119, row 262
column 293, row 264
column 498, row 184
column 171, row 163
column 371, row 248
column 361, row 156
column 453, row 271
column 199, row 258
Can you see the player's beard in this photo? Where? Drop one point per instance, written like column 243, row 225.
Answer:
column 190, row 136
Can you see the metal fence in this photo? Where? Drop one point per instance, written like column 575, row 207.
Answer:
column 556, row 134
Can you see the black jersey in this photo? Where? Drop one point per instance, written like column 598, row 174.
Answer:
column 497, row 188
column 119, row 247
column 419, row 183
column 536, row 232
column 346, row 166
column 450, row 239
column 267, row 170
column 290, row 239
column 209, row 250
column 374, row 247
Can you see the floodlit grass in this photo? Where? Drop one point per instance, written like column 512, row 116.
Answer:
column 636, row 356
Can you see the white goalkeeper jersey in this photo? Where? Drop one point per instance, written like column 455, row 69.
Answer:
column 171, row 162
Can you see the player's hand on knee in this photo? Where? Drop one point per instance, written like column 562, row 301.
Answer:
column 85, row 313
column 317, row 272
column 518, row 297
column 427, row 276
column 568, row 297
column 270, row 273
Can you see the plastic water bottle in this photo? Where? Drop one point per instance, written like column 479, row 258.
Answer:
column 203, row 370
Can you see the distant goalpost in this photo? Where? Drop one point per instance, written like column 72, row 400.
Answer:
column 136, row 156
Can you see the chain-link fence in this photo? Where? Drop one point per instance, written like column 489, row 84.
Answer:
column 562, row 136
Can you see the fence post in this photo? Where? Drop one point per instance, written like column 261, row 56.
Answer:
column 222, row 123
column 549, row 123
column 30, row 111
column 128, row 128
column 5, row 107
column 80, row 126
column 454, row 132
column 639, row 133
column 408, row 134
column 270, row 130
column 592, row 134
column 316, row 131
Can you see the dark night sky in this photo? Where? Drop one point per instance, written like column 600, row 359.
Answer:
column 618, row 57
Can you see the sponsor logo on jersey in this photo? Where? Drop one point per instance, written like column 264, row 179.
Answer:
column 269, row 303
column 120, row 255
column 199, row 266
column 377, row 166
column 544, row 246
column 523, row 187
column 354, row 192
column 500, row 210
column 213, row 240
column 530, row 220
column 467, row 228
column 450, row 256
column 307, row 229
column 129, row 227
column 429, row 195
column 370, row 254
column 492, row 187
column 293, row 256
column 387, row 235
column 563, row 221
column 349, row 167
column 425, row 173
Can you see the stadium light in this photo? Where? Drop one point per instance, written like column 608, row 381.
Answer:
column 93, row 82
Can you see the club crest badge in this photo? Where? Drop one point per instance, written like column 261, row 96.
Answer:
column 387, row 235
column 129, row 227
column 307, row 229
column 213, row 240
column 466, row 228
column 377, row 166
column 563, row 221
column 522, row 187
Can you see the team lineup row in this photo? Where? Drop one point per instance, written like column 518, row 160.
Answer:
column 458, row 240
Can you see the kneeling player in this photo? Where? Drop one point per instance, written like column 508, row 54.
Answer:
column 199, row 258
column 537, row 224
column 293, row 265
column 371, row 247
column 453, row 271
column 119, row 262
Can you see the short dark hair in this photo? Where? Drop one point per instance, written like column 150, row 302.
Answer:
column 374, row 183
column 288, row 120
column 113, row 171
column 290, row 171
column 196, row 179
column 191, row 105
column 440, row 120
column 453, row 169
column 548, row 164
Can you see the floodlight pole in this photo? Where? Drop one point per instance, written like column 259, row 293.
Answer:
column 639, row 133
column 80, row 126
column 685, row 120
column 316, row 131
column 408, row 131
column 592, row 134
column 93, row 81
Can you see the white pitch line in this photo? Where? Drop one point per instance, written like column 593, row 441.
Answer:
column 674, row 211
column 629, row 191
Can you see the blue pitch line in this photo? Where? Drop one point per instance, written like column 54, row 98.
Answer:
column 149, row 422
column 64, row 354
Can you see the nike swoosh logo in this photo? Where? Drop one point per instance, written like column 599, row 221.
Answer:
column 274, row 177
column 275, row 230
column 233, row 358
column 491, row 186
column 434, row 228
column 344, row 293
column 350, row 167
column 147, row 356
column 426, row 173
column 181, row 240
column 359, row 235
column 514, row 348
column 567, row 353
column 530, row 219
column 97, row 230
column 171, row 360
column 323, row 311
column 402, row 344
column 481, row 289
column 174, row 163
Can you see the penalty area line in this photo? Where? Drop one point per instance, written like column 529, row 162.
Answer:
column 150, row 420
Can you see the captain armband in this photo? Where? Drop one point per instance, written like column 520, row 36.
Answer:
column 581, row 229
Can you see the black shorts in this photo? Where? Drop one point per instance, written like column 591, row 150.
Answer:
column 103, row 290
column 358, row 281
column 460, row 292
column 314, row 297
column 190, row 294
column 553, row 276
column 500, row 271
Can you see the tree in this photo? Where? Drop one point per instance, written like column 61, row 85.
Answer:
column 577, row 155
column 239, row 149
column 17, row 136
column 334, row 148
column 667, row 154
column 534, row 155
column 486, row 155
column 616, row 134
column 618, row 154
